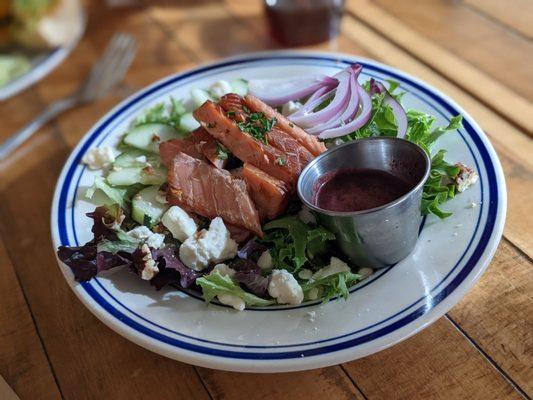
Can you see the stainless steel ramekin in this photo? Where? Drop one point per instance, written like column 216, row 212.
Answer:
column 380, row 236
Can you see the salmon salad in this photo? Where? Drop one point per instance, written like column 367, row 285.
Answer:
column 200, row 193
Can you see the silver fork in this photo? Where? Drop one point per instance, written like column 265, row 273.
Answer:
column 106, row 73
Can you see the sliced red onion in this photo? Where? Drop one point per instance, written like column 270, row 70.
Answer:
column 399, row 113
column 342, row 116
column 358, row 121
column 313, row 102
column 276, row 92
column 339, row 102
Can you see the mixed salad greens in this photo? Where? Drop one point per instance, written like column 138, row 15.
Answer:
column 295, row 261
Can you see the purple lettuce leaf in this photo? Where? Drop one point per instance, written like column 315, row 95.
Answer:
column 249, row 275
column 101, row 222
column 251, row 250
column 171, row 270
column 81, row 260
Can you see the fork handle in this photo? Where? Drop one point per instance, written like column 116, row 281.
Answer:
column 25, row 133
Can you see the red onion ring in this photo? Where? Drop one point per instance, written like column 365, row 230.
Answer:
column 277, row 92
column 339, row 102
column 399, row 113
column 359, row 120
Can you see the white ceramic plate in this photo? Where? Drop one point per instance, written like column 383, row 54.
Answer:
column 388, row 307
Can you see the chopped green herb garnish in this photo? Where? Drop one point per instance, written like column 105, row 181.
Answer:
column 246, row 109
column 222, row 152
column 291, row 124
column 230, row 114
column 258, row 125
column 211, row 124
column 281, row 160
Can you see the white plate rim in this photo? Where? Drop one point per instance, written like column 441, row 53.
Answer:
column 309, row 361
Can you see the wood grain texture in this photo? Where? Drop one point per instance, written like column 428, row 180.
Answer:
column 317, row 384
column 486, row 45
column 471, row 79
column 436, row 364
column 498, row 314
column 23, row 362
column 514, row 14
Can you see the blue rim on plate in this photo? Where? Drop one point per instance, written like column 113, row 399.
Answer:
column 494, row 211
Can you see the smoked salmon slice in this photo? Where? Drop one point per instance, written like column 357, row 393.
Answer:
column 199, row 144
column 310, row 142
column 297, row 154
column 200, row 188
column 248, row 149
column 268, row 193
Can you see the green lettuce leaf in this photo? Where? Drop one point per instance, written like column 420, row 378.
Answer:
column 161, row 113
column 293, row 243
column 214, row 284
column 335, row 285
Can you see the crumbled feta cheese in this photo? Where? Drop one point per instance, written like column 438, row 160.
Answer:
column 220, row 88
column 305, row 274
column 140, row 232
column 211, row 246
column 306, row 216
column 312, row 294
column 335, row 266
column 98, row 157
column 178, row 222
column 466, row 177
column 265, row 261
column 290, row 107
column 141, row 159
column 154, row 240
column 365, row 272
column 149, row 265
column 285, row 288
column 231, row 300
column 224, row 270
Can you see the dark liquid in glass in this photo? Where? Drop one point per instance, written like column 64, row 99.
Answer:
column 303, row 22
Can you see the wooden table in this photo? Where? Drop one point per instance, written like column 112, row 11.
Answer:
column 479, row 52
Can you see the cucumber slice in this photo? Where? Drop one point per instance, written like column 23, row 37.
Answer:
column 188, row 123
column 147, row 137
column 131, row 175
column 113, row 195
column 145, row 209
column 133, row 158
column 199, row 97
column 240, row 87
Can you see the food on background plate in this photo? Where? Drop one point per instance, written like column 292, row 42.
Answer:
column 28, row 27
column 204, row 199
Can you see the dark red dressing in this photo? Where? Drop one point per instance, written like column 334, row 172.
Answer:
column 358, row 189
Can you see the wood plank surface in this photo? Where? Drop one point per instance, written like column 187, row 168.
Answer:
column 317, row 384
column 514, row 14
column 436, row 364
column 496, row 95
column 485, row 358
column 497, row 314
column 23, row 361
column 488, row 46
